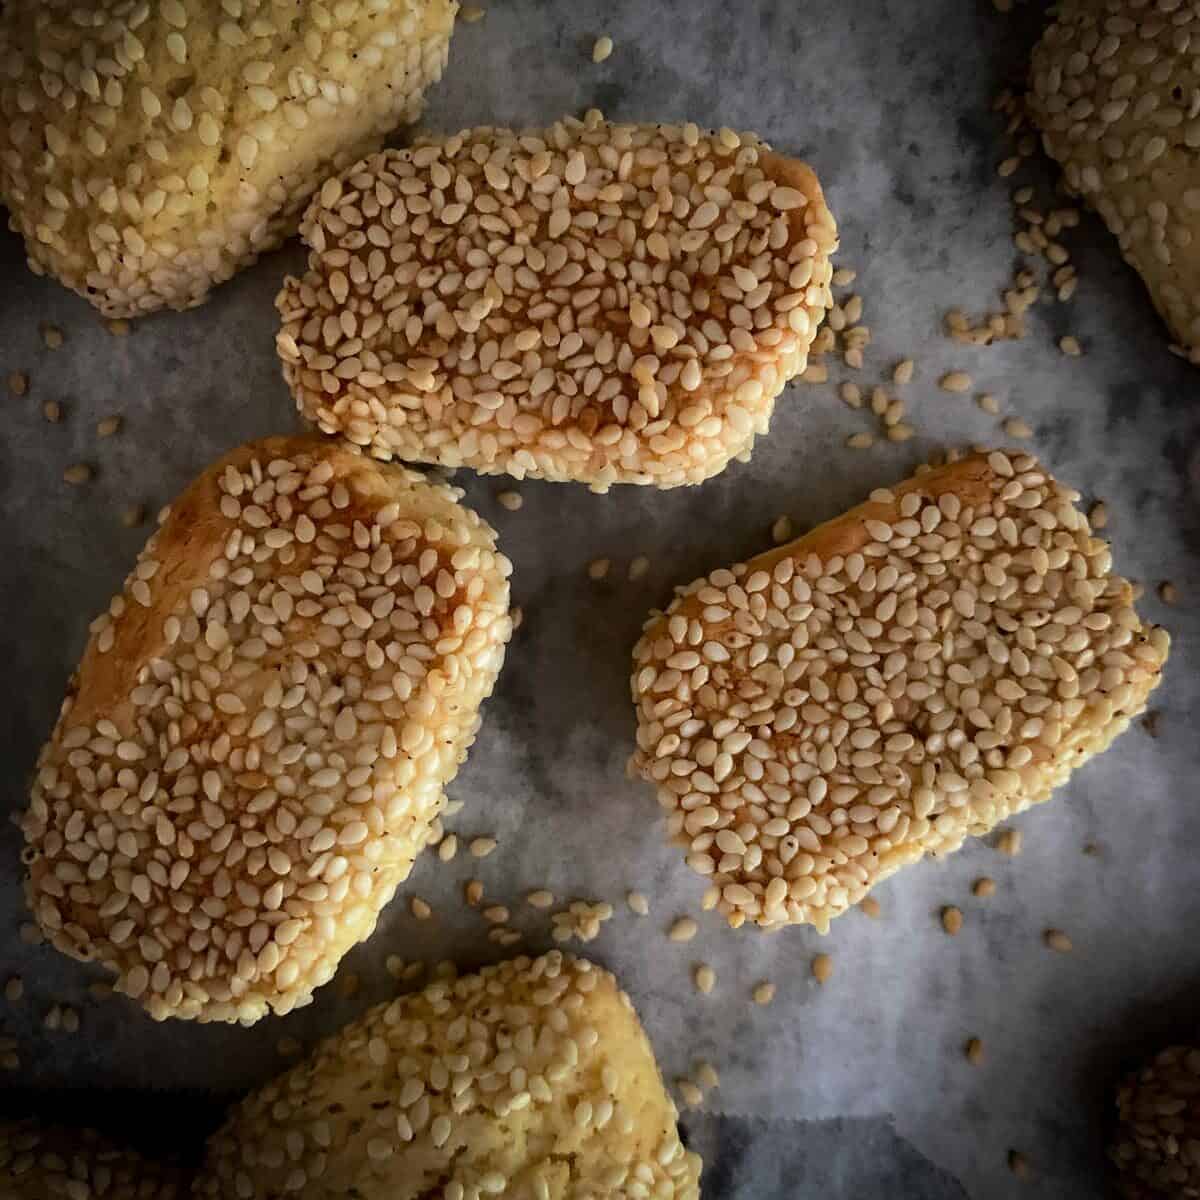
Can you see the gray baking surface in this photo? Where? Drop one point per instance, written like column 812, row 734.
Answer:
column 864, row 1079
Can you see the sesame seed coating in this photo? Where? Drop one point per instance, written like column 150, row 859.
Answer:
column 149, row 151
column 254, row 747
column 1157, row 1145
column 39, row 1162
column 532, row 1078
column 593, row 302
column 1114, row 91
column 904, row 676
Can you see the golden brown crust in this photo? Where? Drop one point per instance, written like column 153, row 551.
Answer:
column 254, row 746
column 903, row 676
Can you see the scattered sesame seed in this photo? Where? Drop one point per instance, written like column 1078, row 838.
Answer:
column 133, row 516
column 952, row 919
column 844, row 277
column 901, row 432
column 52, row 336
column 447, row 847
column 419, row 908
column 1070, row 346
column 689, row 1093
column 902, row 372
column 473, row 13
column 602, row 48
column 860, row 441
column 1168, row 593
column 1098, row 515
column 78, row 473
column 598, row 568
column 511, row 500
column 496, row 914
column 974, row 1051
column 1008, row 166
column 52, row 411
column 705, row 978
column 581, row 919
column 763, row 993
column 815, row 373
column 822, row 968
column 984, row 887
column 119, row 327
column 683, row 930
column 481, row 847
column 638, row 566
column 706, row 1075
column 781, row 529
column 53, row 1019
column 988, row 403
column 853, row 358
column 70, row 1020
column 473, row 891
column 638, row 903
column 394, row 965
column 1058, row 941
column 540, row 899
column 851, row 394
column 14, row 989
column 956, row 321
column 1017, row 428
column 1009, row 842
column 955, row 381
column 18, row 383
column 108, row 426
column 870, row 906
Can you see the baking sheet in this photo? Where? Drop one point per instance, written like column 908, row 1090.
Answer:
column 890, row 102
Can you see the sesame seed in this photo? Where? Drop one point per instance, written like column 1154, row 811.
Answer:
column 822, row 968
column 902, row 372
column 52, row 411
column 52, row 336
column 1009, row 842
column 1098, row 515
column 815, row 373
column 988, row 403
column 133, row 516
column 705, row 978
column 638, row 903
column 1008, row 166
column 1056, row 940
column 1014, row 427
column 473, row 891
column 955, row 381
column 511, row 500
column 706, row 1075
column 598, row 568
column 763, row 993
column 1070, row 346
column 860, row 441
column 851, row 394
column 844, row 277
column 495, row 914
column 70, row 1020
column 952, row 920
column 870, row 906
column 781, row 529
column 108, row 426
column 638, row 566
column 481, row 847
column 689, row 1093
column 78, row 473
column 1168, row 593
column 447, row 848
column 118, row 327
column 974, row 1051
column 473, row 13
column 540, row 899
column 984, row 887
column 900, row 432
column 602, row 49
column 14, row 989
column 683, row 930
column 18, row 383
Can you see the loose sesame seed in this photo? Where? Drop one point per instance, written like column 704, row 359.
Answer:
column 602, row 48
column 900, row 432
column 1070, row 346
column 955, row 381
column 108, row 426
column 1056, row 940
column 974, row 1051
column 781, row 529
column 988, row 403
column 638, row 903
column 133, row 516
column 511, row 500
column 1098, row 515
column 822, row 968
column 870, row 906
column 14, row 989
column 705, row 978
column 984, row 887
column 52, row 411
column 598, row 568
column 851, row 394
column 902, row 372
column 118, row 327
column 1008, row 166
column 78, row 473
column 952, row 920
column 447, row 848
column 844, row 277
column 18, row 383
column 689, row 1093
column 540, row 899
column 473, row 13
column 52, row 336
column 706, row 1075
column 1014, row 427
column 473, row 891
column 683, row 930
column 638, row 566
column 481, row 847
column 763, row 993
column 1009, row 842
column 1168, row 593
column 860, row 441
column 495, row 914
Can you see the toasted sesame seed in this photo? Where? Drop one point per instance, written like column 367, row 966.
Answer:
column 472, row 13
column 706, row 1075
column 853, row 358
column 900, row 432
column 1009, row 842
column 683, row 930
column 638, row 566
column 1070, row 346
column 955, row 381
column 118, row 327
column 705, row 978
column 851, row 394
column 984, row 887
column 598, row 568
column 952, row 919
column 511, row 500
column 78, row 473
column 860, row 441
column 638, row 903
column 1014, row 427
column 844, row 277
column 108, row 426
column 988, row 403
column 974, row 1051
column 481, row 847
column 902, row 372
column 1098, row 515
column 473, row 891
column 18, row 383
column 763, row 993
column 781, row 529
column 540, row 899
column 52, row 336
column 689, row 1093
column 1168, row 593
column 822, row 968
column 870, row 906
column 602, row 48
column 394, row 965
column 133, row 516
column 1057, row 940
column 52, row 411
column 1008, row 166
column 495, row 914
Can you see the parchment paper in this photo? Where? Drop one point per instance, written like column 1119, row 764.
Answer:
column 891, row 103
